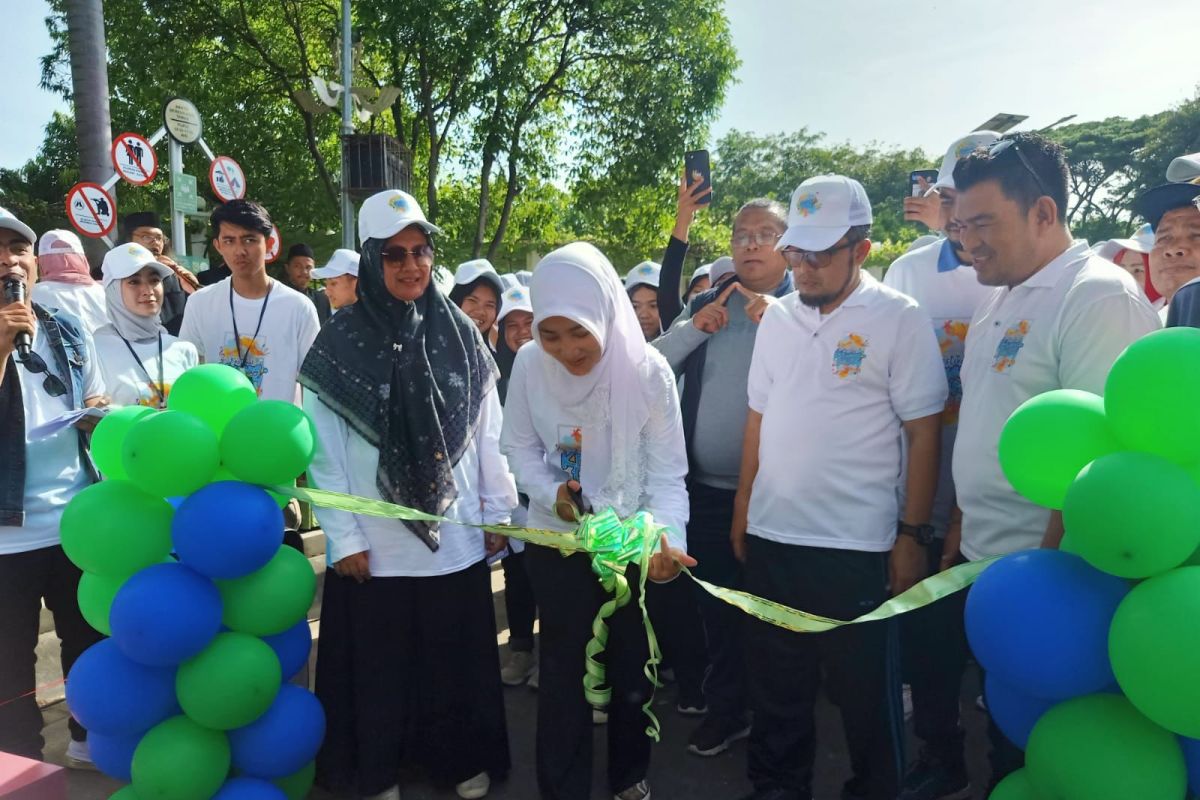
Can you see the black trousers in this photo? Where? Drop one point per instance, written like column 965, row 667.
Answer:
column 858, row 664
column 672, row 609
column 708, row 543
column 519, row 604
column 25, row 579
column 569, row 597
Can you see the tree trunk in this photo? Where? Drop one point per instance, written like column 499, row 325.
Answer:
column 510, row 195
column 485, row 194
column 89, row 89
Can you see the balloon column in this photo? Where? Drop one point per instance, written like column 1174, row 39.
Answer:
column 185, row 570
column 1092, row 651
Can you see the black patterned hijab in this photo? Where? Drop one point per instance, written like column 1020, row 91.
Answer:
column 410, row 378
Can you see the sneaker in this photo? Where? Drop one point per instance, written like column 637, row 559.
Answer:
column 716, row 734
column 599, row 717
column 520, row 666
column 932, row 779
column 691, row 705
column 532, row 683
column 906, row 701
column 639, row 791
column 79, row 756
column 387, row 794
column 474, row 788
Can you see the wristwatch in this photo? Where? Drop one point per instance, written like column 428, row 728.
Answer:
column 922, row 533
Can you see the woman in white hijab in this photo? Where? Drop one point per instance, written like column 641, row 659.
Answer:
column 138, row 359
column 592, row 421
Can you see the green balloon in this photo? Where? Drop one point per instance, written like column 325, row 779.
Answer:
column 1017, row 786
column 1120, row 498
column 297, row 785
column 1154, row 645
column 230, row 683
column 1152, row 396
column 113, row 528
column 272, row 599
column 268, row 443
column 126, row 793
column 1099, row 747
column 96, row 593
column 1049, row 438
column 170, row 454
column 180, row 760
column 109, row 438
column 213, row 393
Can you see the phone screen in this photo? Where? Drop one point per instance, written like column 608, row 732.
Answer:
column 698, row 170
column 916, row 186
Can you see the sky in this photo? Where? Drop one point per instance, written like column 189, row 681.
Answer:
column 912, row 73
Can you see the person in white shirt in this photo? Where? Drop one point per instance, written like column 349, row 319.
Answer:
column 65, row 280
column 641, row 284
column 1057, row 318
column 842, row 369
column 477, row 291
column 249, row 321
column 340, row 278
column 139, row 361
column 592, row 421
column 401, row 389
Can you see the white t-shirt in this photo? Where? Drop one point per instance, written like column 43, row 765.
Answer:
column 85, row 302
column 53, row 472
column 833, row 392
column 1061, row 329
column 125, row 382
column 949, row 293
column 271, row 360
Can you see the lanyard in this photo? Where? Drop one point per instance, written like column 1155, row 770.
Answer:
column 159, row 388
column 237, row 339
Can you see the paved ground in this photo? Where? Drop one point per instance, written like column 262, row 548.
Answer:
column 675, row 774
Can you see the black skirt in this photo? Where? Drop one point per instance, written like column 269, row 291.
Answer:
column 408, row 671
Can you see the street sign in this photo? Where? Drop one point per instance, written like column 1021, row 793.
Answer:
column 183, row 193
column 134, row 158
column 182, row 120
column 273, row 244
column 227, row 179
column 91, row 210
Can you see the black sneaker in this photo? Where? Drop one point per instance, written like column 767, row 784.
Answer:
column 691, row 704
column 932, row 779
column 715, row 734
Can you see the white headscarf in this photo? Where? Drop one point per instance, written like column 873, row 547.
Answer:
column 578, row 282
column 131, row 326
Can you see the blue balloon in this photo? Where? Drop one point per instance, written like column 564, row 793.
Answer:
column 113, row 755
column 285, row 738
column 1191, row 757
column 1014, row 712
column 249, row 789
column 1039, row 620
column 110, row 694
column 227, row 530
column 165, row 614
column 293, row 647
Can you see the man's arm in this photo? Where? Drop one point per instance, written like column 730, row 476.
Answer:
column 749, row 471
column 908, row 561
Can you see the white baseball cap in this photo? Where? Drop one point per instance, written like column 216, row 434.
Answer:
column 60, row 243
column 702, row 271
column 1142, row 241
column 473, row 270
column 720, row 268
column 515, row 299
column 524, row 276
column 9, row 221
column 129, row 259
column 1184, row 169
column 822, row 210
column 385, row 214
column 342, row 262
column 961, row 148
column 646, row 273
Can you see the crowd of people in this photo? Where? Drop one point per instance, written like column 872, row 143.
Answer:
column 803, row 430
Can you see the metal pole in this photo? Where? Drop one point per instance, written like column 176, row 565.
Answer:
column 347, row 128
column 178, row 234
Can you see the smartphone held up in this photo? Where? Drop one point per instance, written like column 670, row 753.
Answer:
column 699, row 172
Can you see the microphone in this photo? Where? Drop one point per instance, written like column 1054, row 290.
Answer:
column 14, row 292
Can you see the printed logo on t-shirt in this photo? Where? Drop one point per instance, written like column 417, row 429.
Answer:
column 148, row 394
column 255, row 353
column 952, row 339
column 1010, row 347
column 570, row 449
column 849, row 356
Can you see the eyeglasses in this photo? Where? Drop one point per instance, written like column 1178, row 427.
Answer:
column 148, row 237
column 53, row 384
column 816, row 259
column 422, row 254
column 1003, row 146
column 760, row 238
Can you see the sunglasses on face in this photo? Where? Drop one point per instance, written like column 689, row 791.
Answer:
column 421, row 254
column 818, row 259
column 53, row 385
column 1003, row 146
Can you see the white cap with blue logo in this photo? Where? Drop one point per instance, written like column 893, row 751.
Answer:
column 515, row 299
column 385, row 214
column 962, row 147
column 645, row 273
column 822, row 210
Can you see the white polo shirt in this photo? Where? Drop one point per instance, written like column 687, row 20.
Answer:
column 833, row 393
column 949, row 292
column 1060, row 329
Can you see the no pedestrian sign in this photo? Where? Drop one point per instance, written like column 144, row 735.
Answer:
column 91, row 210
column 134, row 158
column 227, row 179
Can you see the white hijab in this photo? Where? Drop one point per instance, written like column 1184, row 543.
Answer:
column 578, row 282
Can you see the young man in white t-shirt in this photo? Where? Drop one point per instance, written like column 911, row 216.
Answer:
column 38, row 477
column 249, row 321
column 842, row 370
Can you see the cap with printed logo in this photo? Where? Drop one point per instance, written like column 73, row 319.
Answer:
column 129, row 259
column 515, row 299
column 385, row 214
column 9, row 221
column 961, row 148
column 342, row 262
column 473, row 270
column 823, row 209
column 644, row 274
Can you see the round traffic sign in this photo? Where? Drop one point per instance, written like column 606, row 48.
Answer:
column 227, row 179
column 91, row 210
column 134, row 159
column 273, row 242
column 182, row 120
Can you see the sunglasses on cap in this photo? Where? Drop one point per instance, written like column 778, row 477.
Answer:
column 53, row 384
column 1002, row 146
column 422, row 254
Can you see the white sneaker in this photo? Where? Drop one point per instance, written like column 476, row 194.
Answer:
column 532, row 683
column 387, row 794
column 518, row 669
column 79, row 756
column 474, row 788
column 599, row 717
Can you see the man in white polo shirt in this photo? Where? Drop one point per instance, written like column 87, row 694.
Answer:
column 842, row 370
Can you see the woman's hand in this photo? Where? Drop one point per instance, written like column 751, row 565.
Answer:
column 564, row 505
column 356, row 566
column 666, row 563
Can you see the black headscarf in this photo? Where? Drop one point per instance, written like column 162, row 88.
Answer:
column 505, row 358
column 410, row 378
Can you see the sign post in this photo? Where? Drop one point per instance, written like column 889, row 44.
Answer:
column 182, row 121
